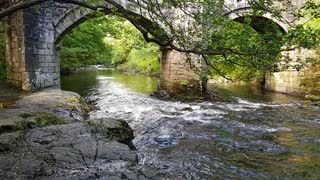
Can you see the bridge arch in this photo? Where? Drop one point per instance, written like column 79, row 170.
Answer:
column 240, row 12
column 68, row 21
column 286, row 81
column 34, row 63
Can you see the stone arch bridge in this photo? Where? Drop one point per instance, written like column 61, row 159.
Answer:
column 32, row 36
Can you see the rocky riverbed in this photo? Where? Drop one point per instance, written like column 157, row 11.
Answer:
column 45, row 135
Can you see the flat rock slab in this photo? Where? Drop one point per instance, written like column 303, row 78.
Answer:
column 70, row 150
column 63, row 104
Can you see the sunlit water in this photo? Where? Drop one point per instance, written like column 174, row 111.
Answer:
column 209, row 140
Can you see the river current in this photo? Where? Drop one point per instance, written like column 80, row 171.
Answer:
column 259, row 135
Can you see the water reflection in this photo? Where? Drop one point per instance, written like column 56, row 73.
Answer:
column 251, row 92
column 84, row 82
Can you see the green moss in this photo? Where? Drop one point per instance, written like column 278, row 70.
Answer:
column 44, row 119
column 184, row 83
column 22, row 135
column 85, row 106
column 73, row 100
column 22, row 127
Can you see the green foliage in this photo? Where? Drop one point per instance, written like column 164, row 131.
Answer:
column 130, row 50
column 2, row 58
column 253, row 61
column 44, row 119
column 145, row 60
column 85, row 46
column 111, row 41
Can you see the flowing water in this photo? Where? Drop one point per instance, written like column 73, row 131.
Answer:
column 261, row 135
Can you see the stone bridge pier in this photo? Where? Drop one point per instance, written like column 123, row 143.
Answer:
column 289, row 81
column 32, row 36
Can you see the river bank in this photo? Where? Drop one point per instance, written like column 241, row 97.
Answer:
column 46, row 135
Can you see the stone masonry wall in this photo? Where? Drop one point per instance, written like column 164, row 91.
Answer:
column 32, row 62
column 15, row 56
column 176, row 71
column 290, row 81
column 42, row 62
column 285, row 82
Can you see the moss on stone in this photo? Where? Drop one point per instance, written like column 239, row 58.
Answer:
column 22, row 127
column 73, row 100
column 44, row 119
column 85, row 106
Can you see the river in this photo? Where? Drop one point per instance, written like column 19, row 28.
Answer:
column 261, row 135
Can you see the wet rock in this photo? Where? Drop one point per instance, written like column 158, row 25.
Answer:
column 45, row 137
column 188, row 108
column 8, row 141
column 66, row 149
column 63, row 104
column 160, row 94
column 8, row 124
column 113, row 129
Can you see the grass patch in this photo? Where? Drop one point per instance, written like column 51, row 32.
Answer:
column 44, row 119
